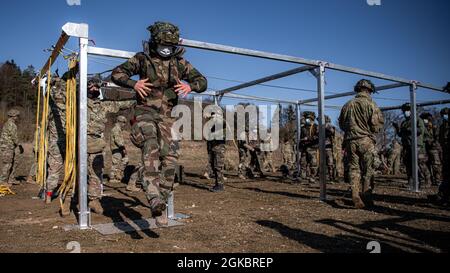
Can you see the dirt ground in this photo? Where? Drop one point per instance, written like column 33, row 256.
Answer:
column 268, row 215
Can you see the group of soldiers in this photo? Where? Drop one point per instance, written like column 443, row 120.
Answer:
column 164, row 76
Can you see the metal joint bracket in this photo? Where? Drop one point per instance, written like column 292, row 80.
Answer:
column 85, row 215
column 76, row 30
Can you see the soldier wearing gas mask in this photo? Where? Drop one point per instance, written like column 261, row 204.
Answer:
column 164, row 75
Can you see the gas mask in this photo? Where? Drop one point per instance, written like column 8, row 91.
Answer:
column 445, row 117
column 425, row 121
column 408, row 114
column 308, row 121
column 165, row 51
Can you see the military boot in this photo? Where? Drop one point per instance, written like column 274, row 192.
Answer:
column 357, row 201
column 96, row 206
column 206, row 176
column 218, row 188
column 13, row 182
column 163, row 220
column 132, row 187
column 157, row 207
column 30, row 180
column 65, row 208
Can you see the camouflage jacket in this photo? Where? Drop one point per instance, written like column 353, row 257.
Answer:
column 8, row 138
column 97, row 114
column 163, row 74
column 431, row 138
column 309, row 136
column 405, row 133
column 330, row 133
column 444, row 136
column 57, row 116
column 361, row 118
column 116, row 139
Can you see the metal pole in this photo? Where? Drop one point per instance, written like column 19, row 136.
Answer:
column 171, row 207
column 322, row 163
column 299, row 128
column 84, row 217
column 415, row 173
column 423, row 104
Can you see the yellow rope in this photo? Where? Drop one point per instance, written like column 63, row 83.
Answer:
column 70, row 167
column 43, row 140
column 36, row 134
column 5, row 190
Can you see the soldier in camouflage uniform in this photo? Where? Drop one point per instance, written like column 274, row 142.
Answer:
column 330, row 133
column 163, row 74
column 216, row 150
column 443, row 195
column 395, row 158
column 268, row 157
column 433, row 148
column 244, row 155
column 118, row 150
column 9, row 141
column 56, row 136
column 404, row 132
column 361, row 120
column 287, row 149
column 338, row 155
column 309, row 145
column 97, row 116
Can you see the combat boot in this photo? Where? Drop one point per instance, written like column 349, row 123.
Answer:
column 13, row 182
column 157, row 207
column 114, row 181
column 65, row 208
column 48, row 197
column 163, row 220
column 218, row 188
column 30, row 180
column 358, row 203
column 206, row 176
column 242, row 177
column 96, row 207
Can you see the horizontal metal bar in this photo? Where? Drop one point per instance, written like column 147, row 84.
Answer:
column 110, row 52
column 424, row 104
column 265, row 55
column 267, row 79
column 351, row 93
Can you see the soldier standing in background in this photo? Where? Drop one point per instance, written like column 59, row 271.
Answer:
column 163, row 75
column 9, row 141
column 97, row 116
column 330, row 133
column 361, row 120
column 433, row 148
column 244, row 155
column 395, row 157
column 443, row 196
column 309, row 145
column 404, row 132
column 56, row 136
column 119, row 152
column 268, row 157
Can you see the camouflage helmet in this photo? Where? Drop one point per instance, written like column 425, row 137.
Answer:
column 13, row 113
column 327, row 119
column 364, row 84
column 164, row 33
column 406, row 107
column 309, row 114
column 121, row 119
column 445, row 111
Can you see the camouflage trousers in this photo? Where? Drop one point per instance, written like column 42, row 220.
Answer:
column 119, row 164
column 422, row 159
column 435, row 165
column 244, row 162
column 255, row 163
column 444, row 188
column 288, row 156
column 55, row 161
column 217, row 161
column 361, row 156
column 159, row 155
column 8, row 171
column 394, row 163
column 309, row 163
column 330, row 164
column 96, row 165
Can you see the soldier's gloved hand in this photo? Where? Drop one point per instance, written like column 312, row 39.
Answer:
column 143, row 88
column 21, row 150
column 182, row 89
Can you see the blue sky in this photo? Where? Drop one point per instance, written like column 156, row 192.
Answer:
column 406, row 38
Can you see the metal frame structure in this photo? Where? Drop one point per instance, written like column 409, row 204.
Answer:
column 316, row 67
